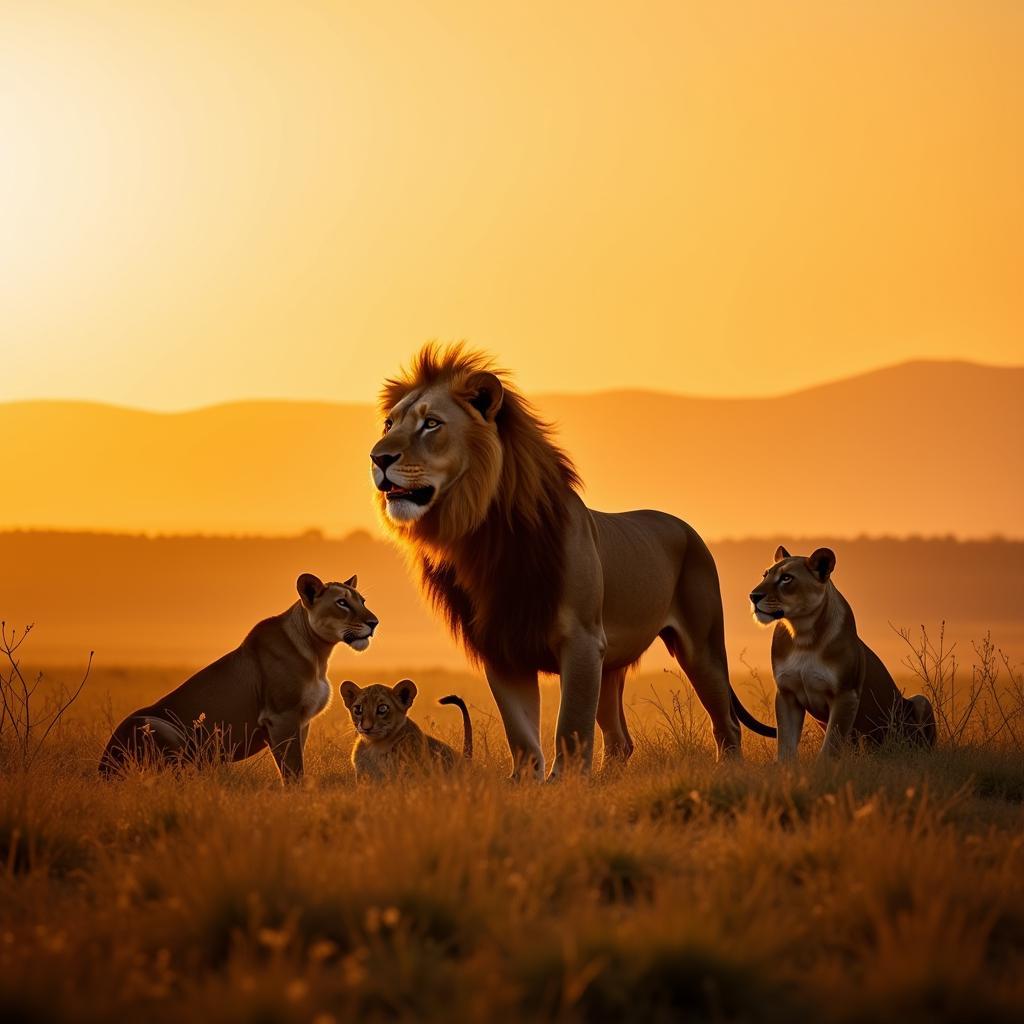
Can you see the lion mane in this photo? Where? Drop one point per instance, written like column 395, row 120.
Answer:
column 491, row 554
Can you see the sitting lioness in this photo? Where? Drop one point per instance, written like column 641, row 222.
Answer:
column 388, row 742
column 264, row 693
column 821, row 665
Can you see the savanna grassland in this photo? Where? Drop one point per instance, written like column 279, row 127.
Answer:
column 887, row 887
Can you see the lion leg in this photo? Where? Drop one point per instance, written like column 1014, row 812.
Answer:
column 581, row 665
column 518, row 698
column 122, row 748
column 841, row 716
column 707, row 669
column 789, row 714
column 611, row 716
column 284, row 732
column 695, row 637
column 924, row 721
column 142, row 740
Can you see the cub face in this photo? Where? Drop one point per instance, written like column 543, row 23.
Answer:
column 378, row 711
column 793, row 587
column 337, row 612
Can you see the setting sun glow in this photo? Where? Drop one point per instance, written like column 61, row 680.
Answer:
column 206, row 202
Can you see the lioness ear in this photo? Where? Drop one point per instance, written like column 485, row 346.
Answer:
column 781, row 553
column 349, row 692
column 822, row 562
column 352, row 581
column 309, row 587
column 405, row 693
column 485, row 394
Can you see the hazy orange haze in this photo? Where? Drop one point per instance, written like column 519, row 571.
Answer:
column 203, row 202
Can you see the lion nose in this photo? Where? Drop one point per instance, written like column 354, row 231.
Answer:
column 383, row 461
column 755, row 597
column 373, row 624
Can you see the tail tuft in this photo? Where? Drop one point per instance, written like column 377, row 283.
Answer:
column 467, row 725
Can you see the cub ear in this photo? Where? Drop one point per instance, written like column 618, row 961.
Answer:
column 781, row 553
column 349, row 692
column 822, row 562
column 485, row 393
column 352, row 581
column 405, row 693
column 310, row 587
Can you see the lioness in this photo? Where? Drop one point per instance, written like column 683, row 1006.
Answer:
column 528, row 577
column 264, row 693
column 822, row 666
column 387, row 740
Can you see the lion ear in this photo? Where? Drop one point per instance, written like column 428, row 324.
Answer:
column 485, row 394
column 352, row 581
column 822, row 562
column 309, row 587
column 349, row 692
column 781, row 553
column 405, row 693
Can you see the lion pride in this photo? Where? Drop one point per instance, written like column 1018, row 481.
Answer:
column 528, row 578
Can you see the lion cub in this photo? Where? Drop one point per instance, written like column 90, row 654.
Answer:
column 263, row 694
column 822, row 667
column 388, row 741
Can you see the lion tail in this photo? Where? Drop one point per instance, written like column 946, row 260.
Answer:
column 749, row 720
column 467, row 725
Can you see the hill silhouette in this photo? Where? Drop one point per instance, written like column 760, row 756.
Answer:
column 925, row 448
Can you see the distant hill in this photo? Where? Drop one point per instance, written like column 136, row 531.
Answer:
column 186, row 600
column 924, row 448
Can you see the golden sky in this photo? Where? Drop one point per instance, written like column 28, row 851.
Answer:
column 205, row 201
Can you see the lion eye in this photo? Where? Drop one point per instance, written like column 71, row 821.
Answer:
column 785, row 578
column 431, row 423
column 382, row 709
column 388, row 424
column 358, row 711
column 342, row 603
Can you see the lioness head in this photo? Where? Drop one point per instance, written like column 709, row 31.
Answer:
column 336, row 612
column 793, row 587
column 378, row 711
column 439, row 437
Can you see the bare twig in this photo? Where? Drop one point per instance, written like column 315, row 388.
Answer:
column 986, row 709
column 24, row 727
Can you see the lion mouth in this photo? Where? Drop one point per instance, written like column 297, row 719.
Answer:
column 417, row 495
column 359, row 635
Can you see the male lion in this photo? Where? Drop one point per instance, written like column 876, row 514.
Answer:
column 264, row 693
column 527, row 576
column 822, row 667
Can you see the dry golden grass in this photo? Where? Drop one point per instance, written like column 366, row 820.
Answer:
column 885, row 887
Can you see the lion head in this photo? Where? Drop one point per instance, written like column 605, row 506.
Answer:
column 794, row 587
column 378, row 711
column 336, row 612
column 457, row 440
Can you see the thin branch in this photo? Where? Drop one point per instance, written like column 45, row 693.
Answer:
column 63, row 706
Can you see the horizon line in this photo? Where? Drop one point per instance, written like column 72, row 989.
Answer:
column 555, row 393
column 317, row 534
